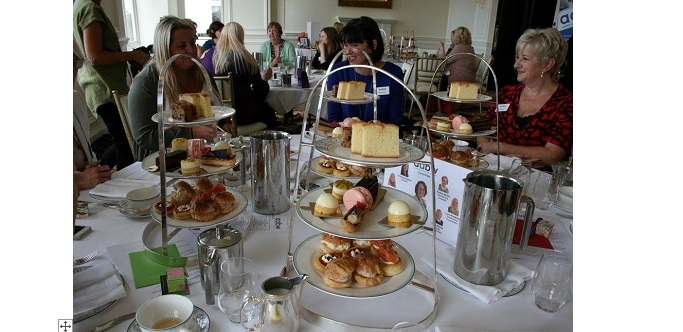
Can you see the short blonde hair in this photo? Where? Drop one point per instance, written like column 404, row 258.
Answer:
column 461, row 35
column 545, row 44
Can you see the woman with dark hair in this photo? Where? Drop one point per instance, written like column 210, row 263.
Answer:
column 421, row 191
column 362, row 34
column 328, row 48
column 214, row 32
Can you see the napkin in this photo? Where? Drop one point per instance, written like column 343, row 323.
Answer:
column 516, row 274
column 146, row 272
column 118, row 188
column 505, row 161
column 97, row 286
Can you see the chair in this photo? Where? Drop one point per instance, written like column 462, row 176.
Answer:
column 227, row 92
column 122, row 105
column 424, row 71
column 482, row 78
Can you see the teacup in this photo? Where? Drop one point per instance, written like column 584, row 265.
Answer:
column 566, row 196
column 142, row 198
column 168, row 313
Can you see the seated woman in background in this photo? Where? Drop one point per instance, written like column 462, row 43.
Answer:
column 461, row 67
column 328, row 47
column 363, row 34
column 250, row 91
column 276, row 51
column 214, row 31
column 172, row 36
column 536, row 117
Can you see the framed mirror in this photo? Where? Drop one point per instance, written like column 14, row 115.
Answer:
column 366, row 3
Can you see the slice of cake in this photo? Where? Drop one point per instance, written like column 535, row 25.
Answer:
column 201, row 101
column 379, row 140
column 357, row 137
column 351, row 90
column 463, row 90
column 184, row 111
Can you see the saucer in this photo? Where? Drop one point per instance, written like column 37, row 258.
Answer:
column 512, row 292
column 564, row 208
column 128, row 211
column 198, row 314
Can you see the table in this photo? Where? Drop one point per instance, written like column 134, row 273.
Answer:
column 456, row 308
column 307, row 52
column 283, row 99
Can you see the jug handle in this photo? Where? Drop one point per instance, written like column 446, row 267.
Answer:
column 528, row 216
column 208, row 278
column 260, row 318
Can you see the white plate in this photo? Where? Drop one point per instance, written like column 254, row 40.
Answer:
column 564, row 208
column 198, row 314
column 443, row 95
column 332, row 148
column 308, row 251
column 210, row 170
column 370, row 228
column 240, row 205
column 369, row 97
column 315, row 162
column 452, row 133
column 106, row 199
column 219, row 112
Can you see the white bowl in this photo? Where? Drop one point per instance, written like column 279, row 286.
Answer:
column 165, row 307
column 142, row 198
column 566, row 196
column 460, row 145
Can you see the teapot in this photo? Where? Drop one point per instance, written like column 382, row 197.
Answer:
column 279, row 304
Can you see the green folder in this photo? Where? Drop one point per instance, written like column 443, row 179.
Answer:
column 147, row 272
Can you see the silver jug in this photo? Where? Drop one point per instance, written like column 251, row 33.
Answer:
column 489, row 216
column 214, row 246
column 270, row 171
column 279, row 305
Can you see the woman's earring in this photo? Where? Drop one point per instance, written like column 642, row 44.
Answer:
column 542, row 74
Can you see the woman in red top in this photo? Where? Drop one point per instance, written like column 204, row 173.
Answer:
column 536, row 115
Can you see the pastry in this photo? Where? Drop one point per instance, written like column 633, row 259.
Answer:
column 182, row 194
column 359, row 170
column 190, row 166
column 353, row 252
column 225, row 201
column 173, row 159
column 220, row 158
column 463, row 90
column 334, row 244
column 360, row 196
column 351, row 90
column 459, row 158
column 326, row 205
column 179, row 144
column 182, row 212
column 399, row 215
column 465, row 128
column 375, row 245
column 347, row 130
column 368, row 271
column 201, row 101
column 341, row 169
column 323, row 259
column 447, row 144
column 443, row 126
column 350, row 222
column 222, row 145
column 363, row 244
column 374, row 139
column 169, row 208
column 390, row 263
column 337, row 132
column 202, row 185
column 340, row 187
column 457, row 121
column 371, row 183
column 339, row 272
column 435, row 120
column 183, row 111
column 205, row 209
column 325, row 165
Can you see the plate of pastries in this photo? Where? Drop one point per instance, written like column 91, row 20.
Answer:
column 192, row 109
column 362, row 210
column 458, row 125
column 208, row 160
column 467, row 157
column 330, row 168
column 200, row 204
column 354, row 268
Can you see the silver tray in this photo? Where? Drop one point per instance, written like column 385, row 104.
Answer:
column 369, row 97
column 219, row 112
column 240, row 205
column 332, row 148
column 308, row 251
column 443, row 95
column 150, row 160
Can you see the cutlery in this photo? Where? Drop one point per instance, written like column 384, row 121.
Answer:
column 565, row 215
column 114, row 322
column 86, row 259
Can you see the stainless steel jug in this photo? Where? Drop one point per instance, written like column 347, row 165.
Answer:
column 270, row 171
column 489, row 216
column 214, row 246
column 279, row 305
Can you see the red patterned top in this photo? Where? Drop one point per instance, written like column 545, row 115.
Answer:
column 552, row 124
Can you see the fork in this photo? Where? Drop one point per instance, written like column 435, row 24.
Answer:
column 86, row 259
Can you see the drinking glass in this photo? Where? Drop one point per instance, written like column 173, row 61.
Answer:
column 409, row 327
column 552, row 285
column 237, row 283
column 540, row 192
column 521, row 169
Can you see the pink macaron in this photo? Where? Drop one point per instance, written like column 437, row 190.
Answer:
column 355, row 195
column 458, row 120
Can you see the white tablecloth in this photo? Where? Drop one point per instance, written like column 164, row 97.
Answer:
column 283, row 99
column 457, row 309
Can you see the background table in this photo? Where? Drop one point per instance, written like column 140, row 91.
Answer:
column 283, row 99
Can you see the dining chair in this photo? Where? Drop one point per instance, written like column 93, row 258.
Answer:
column 226, row 88
column 482, row 78
column 423, row 84
column 121, row 101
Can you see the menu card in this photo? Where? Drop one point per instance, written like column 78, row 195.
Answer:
column 444, row 211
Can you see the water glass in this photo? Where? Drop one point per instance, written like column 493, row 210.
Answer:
column 409, row 327
column 237, row 283
column 540, row 192
column 552, row 285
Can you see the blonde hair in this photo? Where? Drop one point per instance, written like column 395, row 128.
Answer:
column 545, row 44
column 461, row 35
column 162, row 52
column 230, row 49
column 338, row 26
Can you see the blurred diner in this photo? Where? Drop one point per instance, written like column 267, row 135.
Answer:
column 536, row 115
column 214, row 32
column 276, row 51
column 328, row 47
column 172, row 36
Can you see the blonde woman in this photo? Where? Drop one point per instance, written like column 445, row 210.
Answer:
column 172, row 36
column 250, row 91
column 461, row 67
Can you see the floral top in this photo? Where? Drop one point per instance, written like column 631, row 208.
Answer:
column 552, row 124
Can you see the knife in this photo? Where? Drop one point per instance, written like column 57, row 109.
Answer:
column 114, row 322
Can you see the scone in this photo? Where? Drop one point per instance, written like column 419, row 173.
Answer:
column 225, row 201
column 182, row 194
column 326, row 205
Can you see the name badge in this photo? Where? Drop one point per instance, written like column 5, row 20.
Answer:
column 503, row 107
column 383, row 90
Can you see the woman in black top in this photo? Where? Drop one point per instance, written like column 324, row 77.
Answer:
column 328, row 47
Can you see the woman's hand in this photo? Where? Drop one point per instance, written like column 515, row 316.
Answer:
column 92, row 175
column 140, row 57
column 275, row 62
column 206, row 132
column 441, row 50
